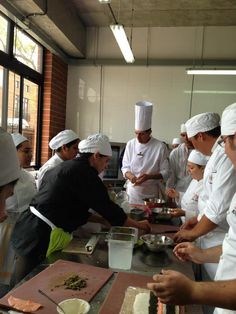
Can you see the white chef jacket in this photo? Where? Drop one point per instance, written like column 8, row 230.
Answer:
column 189, row 200
column 149, row 158
column 219, row 185
column 51, row 163
column 24, row 191
column 227, row 266
column 179, row 177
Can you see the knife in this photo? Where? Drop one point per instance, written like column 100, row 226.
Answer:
column 11, row 308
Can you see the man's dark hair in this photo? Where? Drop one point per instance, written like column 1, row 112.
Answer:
column 68, row 145
column 214, row 132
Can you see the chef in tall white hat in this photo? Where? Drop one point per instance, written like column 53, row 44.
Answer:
column 65, row 146
column 220, row 292
column 145, row 163
column 219, row 185
column 24, row 191
column 180, row 178
column 9, row 170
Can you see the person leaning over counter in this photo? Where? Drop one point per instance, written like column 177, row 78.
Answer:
column 65, row 196
column 219, row 184
column 145, row 162
column 65, row 145
column 175, row 288
column 188, row 201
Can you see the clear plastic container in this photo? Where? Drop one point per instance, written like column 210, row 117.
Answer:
column 120, row 250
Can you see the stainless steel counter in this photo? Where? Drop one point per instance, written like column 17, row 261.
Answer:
column 143, row 262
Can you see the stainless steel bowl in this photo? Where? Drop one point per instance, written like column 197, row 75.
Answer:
column 154, row 202
column 137, row 213
column 162, row 213
column 156, row 242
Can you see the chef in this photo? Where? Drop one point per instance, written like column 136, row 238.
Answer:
column 9, row 170
column 173, row 287
column 65, row 145
column 145, row 162
column 176, row 142
column 188, row 201
column 219, row 185
column 24, row 191
column 65, row 197
column 179, row 176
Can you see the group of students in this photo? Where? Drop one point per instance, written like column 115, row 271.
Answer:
column 67, row 192
column 215, row 226
column 69, row 187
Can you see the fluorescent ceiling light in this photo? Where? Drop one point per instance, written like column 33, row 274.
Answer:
column 211, row 71
column 104, row 1
column 121, row 38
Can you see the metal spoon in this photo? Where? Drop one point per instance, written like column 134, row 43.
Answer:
column 49, row 298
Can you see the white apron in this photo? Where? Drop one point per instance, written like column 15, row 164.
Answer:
column 24, row 191
column 227, row 265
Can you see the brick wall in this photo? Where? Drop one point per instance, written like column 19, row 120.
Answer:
column 54, row 101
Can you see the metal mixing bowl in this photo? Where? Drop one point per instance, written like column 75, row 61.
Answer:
column 161, row 213
column 156, row 242
column 154, row 202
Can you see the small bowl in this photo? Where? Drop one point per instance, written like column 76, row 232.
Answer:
column 156, row 242
column 73, row 306
column 154, row 202
column 137, row 213
column 161, row 213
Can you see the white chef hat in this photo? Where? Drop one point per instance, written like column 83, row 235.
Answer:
column 96, row 143
column 63, row 138
column 183, row 128
column 176, row 140
column 18, row 138
column 228, row 120
column 202, row 122
column 9, row 163
column 143, row 115
column 197, row 158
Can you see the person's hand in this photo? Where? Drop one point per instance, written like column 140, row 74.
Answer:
column 3, row 215
column 172, row 193
column 144, row 225
column 184, row 235
column 144, row 177
column 189, row 224
column 133, row 180
column 172, row 287
column 177, row 212
column 187, row 251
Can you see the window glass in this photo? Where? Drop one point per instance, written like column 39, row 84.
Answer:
column 13, row 103
column 27, row 51
column 30, row 114
column 3, row 33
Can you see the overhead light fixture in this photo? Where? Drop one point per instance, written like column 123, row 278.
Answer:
column 121, row 38
column 211, row 71
column 104, row 1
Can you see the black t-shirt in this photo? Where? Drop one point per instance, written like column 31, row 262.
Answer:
column 65, row 196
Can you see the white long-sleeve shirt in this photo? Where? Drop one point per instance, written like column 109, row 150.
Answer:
column 51, row 163
column 179, row 177
column 227, row 266
column 149, row 158
column 219, row 185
